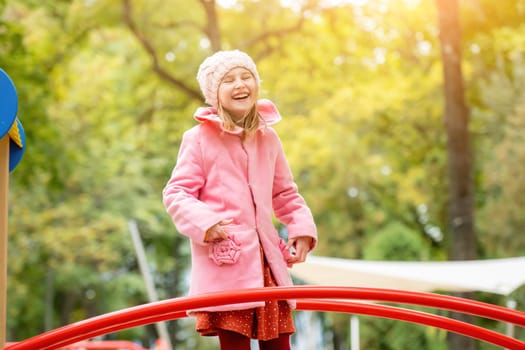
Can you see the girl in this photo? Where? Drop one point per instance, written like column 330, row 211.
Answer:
column 230, row 179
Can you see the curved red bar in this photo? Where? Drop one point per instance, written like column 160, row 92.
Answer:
column 177, row 307
column 417, row 317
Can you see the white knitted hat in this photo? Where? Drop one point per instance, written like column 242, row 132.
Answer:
column 215, row 67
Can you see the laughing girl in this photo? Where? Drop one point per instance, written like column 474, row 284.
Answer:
column 230, row 180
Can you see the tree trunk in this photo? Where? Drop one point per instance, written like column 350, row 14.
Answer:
column 49, row 300
column 212, row 24
column 336, row 340
column 461, row 224
column 176, row 281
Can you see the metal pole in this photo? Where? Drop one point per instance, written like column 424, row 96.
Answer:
column 162, row 330
column 354, row 332
column 511, row 304
column 4, row 188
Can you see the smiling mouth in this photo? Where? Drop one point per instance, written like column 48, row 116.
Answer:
column 241, row 97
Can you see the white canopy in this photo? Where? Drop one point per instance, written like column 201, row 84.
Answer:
column 499, row 276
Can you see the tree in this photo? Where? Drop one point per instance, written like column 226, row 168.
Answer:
column 359, row 89
column 461, row 217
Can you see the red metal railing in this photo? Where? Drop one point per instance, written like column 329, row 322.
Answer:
column 313, row 298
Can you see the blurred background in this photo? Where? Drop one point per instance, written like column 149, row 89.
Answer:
column 397, row 160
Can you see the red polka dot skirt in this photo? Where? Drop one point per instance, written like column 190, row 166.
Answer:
column 263, row 323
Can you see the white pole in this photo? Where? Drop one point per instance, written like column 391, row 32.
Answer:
column 354, row 332
column 511, row 304
column 148, row 280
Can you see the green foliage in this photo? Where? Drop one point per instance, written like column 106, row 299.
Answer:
column 395, row 242
column 395, row 335
column 106, row 89
column 498, row 124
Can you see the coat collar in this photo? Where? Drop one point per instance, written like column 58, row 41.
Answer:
column 267, row 110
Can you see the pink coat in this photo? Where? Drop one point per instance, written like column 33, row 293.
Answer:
column 219, row 177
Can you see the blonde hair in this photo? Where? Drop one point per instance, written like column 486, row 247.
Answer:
column 249, row 123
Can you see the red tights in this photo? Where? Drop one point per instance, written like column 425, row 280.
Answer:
column 236, row 341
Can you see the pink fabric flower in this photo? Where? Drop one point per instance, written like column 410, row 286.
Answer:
column 226, row 251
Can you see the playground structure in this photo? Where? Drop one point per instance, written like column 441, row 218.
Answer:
column 352, row 300
column 102, row 345
column 12, row 148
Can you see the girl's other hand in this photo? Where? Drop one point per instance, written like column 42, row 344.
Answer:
column 301, row 246
column 216, row 232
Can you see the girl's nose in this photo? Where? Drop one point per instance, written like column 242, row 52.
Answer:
column 238, row 81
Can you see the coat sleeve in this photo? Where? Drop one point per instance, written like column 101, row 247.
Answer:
column 191, row 216
column 289, row 206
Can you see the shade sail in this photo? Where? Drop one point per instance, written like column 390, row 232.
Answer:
column 499, row 276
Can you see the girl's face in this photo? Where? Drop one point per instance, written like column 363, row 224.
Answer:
column 238, row 92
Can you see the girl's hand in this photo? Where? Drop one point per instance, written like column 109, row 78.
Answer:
column 216, row 232
column 301, row 246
